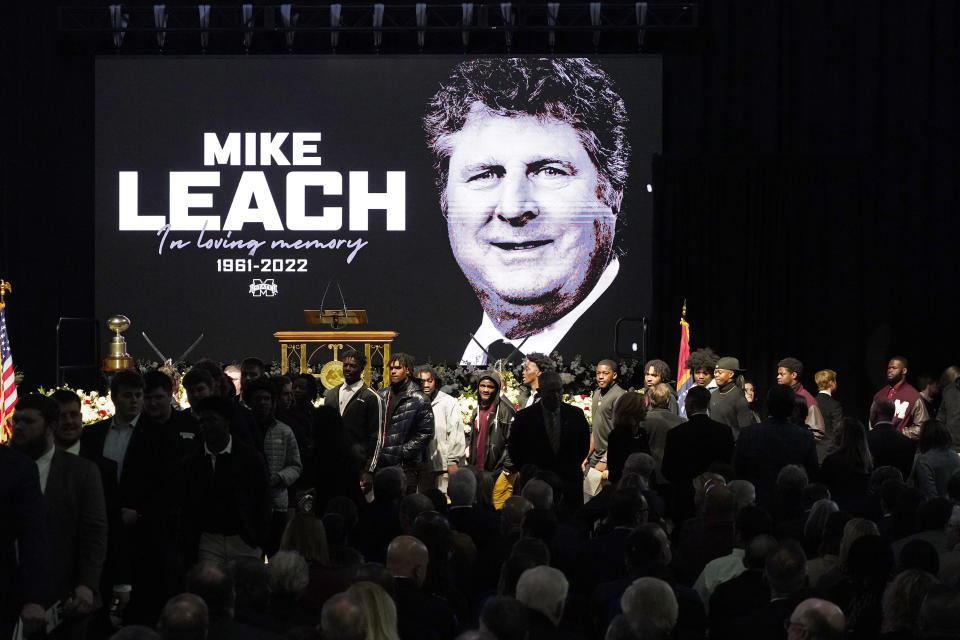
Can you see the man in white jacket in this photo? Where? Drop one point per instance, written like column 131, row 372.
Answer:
column 448, row 443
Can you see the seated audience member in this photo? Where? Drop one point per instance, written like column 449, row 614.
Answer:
column 690, row 449
column 289, row 577
column 708, row 536
column 814, row 525
column 855, row 529
column 442, row 580
column 827, row 556
column 937, row 460
column 379, row 611
column 879, row 476
column 763, row 449
column 651, row 599
column 648, row 554
column 377, row 574
column 380, row 519
column 901, row 604
column 744, row 493
column 505, row 618
column 342, row 618
column 789, row 509
column 735, row 603
column 224, row 499
column 887, row 445
column 479, row 524
column 543, row 590
column 136, row 632
column 306, row 535
column 869, row 565
column 629, row 434
column 931, row 520
column 184, row 617
column 622, row 628
column 216, row 587
column 489, row 563
column 919, row 554
column 940, row 614
column 419, row 614
column 601, row 559
column 786, row 573
column 751, row 521
column 816, row 619
column 847, row 470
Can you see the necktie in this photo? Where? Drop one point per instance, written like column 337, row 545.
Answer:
column 500, row 350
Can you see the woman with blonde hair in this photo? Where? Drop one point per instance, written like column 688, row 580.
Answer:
column 378, row 608
column 306, row 535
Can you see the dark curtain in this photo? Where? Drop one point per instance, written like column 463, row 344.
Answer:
column 806, row 203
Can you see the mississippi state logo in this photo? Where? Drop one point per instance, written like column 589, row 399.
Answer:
column 260, row 288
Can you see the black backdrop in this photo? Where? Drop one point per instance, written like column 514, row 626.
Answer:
column 805, row 203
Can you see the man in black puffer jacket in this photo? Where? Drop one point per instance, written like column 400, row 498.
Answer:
column 408, row 426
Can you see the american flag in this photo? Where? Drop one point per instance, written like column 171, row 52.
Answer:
column 8, row 385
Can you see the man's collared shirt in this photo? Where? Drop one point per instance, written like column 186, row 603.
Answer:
column 117, row 440
column 347, row 391
column 43, row 468
column 546, row 340
column 74, row 448
column 213, row 456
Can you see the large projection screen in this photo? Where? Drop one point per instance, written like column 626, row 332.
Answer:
column 447, row 196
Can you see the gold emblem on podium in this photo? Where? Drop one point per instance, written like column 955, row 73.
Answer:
column 331, row 374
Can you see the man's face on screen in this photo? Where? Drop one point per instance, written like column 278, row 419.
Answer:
column 525, row 220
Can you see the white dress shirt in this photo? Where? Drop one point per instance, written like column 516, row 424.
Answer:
column 213, row 456
column 117, row 440
column 347, row 391
column 43, row 468
column 549, row 337
column 718, row 571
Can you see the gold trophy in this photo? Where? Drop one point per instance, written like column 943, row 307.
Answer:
column 118, row 358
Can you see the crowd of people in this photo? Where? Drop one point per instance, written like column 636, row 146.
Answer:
column 382, row 514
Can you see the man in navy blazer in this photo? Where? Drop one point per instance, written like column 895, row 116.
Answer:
column 552, row 435
column 145, row 455
column 74, row 512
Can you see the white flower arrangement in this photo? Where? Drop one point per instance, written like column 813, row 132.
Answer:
column 93, row 406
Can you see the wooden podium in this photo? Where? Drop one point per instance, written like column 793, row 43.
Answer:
column 303, row 346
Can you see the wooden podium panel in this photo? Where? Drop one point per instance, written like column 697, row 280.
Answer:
column 303, row 346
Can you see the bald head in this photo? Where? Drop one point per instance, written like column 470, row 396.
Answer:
column 822, row 619
column 342, row 618
column 184, row 617
column 407, row 557
column 511, row 515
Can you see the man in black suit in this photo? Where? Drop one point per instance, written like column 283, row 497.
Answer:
column 887, row 445
column 225, row 496
column 361, row 410
column 144, row 454
column 24, row 546
column 554, row 436
column 691, row 447
column 831, row 410
column 74, row 512
column 158, row 407
column 736, row 602
column 763, row 449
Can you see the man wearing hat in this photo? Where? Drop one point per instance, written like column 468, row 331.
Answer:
column 489, row 431
column 728, row 405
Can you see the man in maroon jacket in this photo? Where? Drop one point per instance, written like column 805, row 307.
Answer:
column 909, row 409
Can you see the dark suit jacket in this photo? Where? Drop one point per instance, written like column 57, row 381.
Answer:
column 23, row 575
column 530, row 444
column 763, row 449
column 77, row 521
column 832, row 413
column 250, row 492
column 421, row 615
column 116, row 569
column 146, row 482
column 890, row 447
column 362, row 418
column 690, row 449
column 735, row 604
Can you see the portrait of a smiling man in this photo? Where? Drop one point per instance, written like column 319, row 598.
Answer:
column 531, row 158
